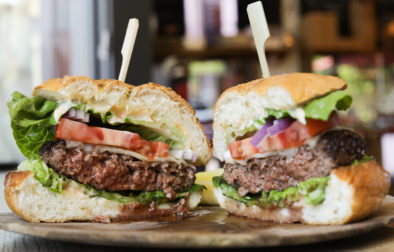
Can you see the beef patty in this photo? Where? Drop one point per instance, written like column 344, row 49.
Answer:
column 117, row 172
column 277, row 172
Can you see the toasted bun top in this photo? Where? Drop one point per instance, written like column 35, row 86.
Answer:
column 150, row 104
column 300, row 87
column 248, row 101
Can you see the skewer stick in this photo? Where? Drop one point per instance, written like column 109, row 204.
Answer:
column 260, row 31
column 127, row 48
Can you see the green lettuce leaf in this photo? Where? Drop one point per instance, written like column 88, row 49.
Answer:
column 137, row 126
column 27, row 111
column 365, row 158
column 31, row 121
column 269, row 113
column 47, row 176
column 143, row 128
column 147, row 134
column 323, row 107
column 122, row 198
column 55, row 182
column 231, row 192
column 144, row 198
column 277, row 114
column 320, row 108
column 313, row 190
column 104, row 117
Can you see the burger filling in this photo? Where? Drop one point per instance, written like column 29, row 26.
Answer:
column 288, row 154
column 279, row 171
column 126, row 162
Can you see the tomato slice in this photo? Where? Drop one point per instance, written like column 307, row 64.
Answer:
column 242, row 149
column 294, row 136
column 77, row 131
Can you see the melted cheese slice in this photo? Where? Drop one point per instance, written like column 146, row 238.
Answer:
column 102, row 148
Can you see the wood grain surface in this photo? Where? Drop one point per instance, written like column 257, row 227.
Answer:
column 380, row 240
column 210, row 227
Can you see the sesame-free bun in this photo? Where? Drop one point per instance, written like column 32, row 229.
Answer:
column 157, row 106
column 248, row 101
column 353, row 192
column 29, row 199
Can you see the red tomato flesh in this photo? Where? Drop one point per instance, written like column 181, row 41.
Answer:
column 77, row 131
column 294, row 136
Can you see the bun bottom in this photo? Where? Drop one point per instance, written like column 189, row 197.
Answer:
column 353, row 192
column 29, row 199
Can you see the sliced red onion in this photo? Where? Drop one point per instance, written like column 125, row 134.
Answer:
column 259, row 136
column 280, row 125
column 77, row 115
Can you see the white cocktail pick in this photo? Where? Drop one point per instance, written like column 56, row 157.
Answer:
column 127, row 48
column 260, row 31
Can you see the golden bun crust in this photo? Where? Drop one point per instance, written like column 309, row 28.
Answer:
column 370, row 183
column 148, row 102
column 301, row 86
column 353, row 192
column 33, row 202
column 14, row 180
column 56, row 84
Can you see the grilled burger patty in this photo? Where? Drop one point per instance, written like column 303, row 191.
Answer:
column 277, row 172
column 117, row 172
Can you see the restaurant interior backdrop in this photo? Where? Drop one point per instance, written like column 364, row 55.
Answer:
column 201, row 47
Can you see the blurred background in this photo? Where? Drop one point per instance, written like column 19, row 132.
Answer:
column 201, row 47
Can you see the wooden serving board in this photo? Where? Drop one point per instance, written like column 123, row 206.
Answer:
column 209, row 227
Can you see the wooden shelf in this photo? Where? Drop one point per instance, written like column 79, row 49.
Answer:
column 225, row 48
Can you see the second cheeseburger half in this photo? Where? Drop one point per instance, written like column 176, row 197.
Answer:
column 287, row 159
column 104, row 151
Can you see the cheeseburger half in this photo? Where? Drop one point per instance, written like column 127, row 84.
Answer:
column 287, row 159
column 104, row 151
